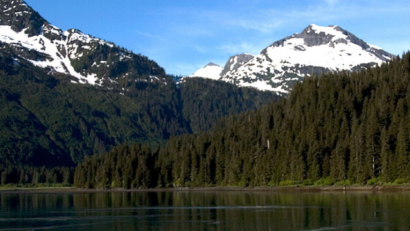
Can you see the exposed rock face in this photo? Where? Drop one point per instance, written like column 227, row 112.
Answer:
column 19, row 16
column 211, row 64
column 235, row 62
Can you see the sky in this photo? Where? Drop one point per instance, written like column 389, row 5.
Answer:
column 184, row 35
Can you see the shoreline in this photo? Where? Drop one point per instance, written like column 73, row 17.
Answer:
column 287, row 189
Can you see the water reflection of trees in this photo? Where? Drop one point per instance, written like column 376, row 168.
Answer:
column 222, row 210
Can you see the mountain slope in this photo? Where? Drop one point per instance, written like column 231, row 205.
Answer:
column 51, row 121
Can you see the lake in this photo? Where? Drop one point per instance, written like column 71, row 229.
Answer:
column 183, row 210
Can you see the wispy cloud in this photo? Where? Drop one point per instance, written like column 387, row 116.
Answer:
column 193, row 29
column 185, row 68
column 152, row 36
column 269, row 19
column 244, row 47
column 200, row 49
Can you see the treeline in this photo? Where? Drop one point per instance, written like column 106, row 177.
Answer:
column 36, row 176
column 334, row 129
column 124, row 167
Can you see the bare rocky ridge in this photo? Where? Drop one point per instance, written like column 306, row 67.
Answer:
column 19, row 16
column 235, row 62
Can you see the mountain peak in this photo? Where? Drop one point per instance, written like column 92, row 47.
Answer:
column 320, row 28
column 211, row 64
column 235, row 62
column 18, row 15
column 210, row 71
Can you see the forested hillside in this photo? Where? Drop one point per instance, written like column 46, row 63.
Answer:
column 334, row 129
column 205, row 101
column 46, row 120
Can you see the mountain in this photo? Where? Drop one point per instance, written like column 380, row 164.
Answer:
column 316, row 50
column 210, row 71
column 65, row 95
column 86, row 59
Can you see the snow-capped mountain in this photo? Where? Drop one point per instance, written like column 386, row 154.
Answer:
column 86, row 59
column 316, row 50
column 210, row 71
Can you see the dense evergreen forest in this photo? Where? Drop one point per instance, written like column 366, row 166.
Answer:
column 46, row 120
column 339, row 128
column 36, row 176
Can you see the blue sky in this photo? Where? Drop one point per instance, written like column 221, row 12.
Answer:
column 184, row 35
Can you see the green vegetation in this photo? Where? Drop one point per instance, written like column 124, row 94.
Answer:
column 206, row 101
column 288, row 183
column 13, row 187
column 324, row 181
column 36, row 177
column 336, row 129
column 342, row 183
column 45, row 120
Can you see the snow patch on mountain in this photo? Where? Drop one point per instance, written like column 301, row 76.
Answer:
column 55, row 60
column 210, row 71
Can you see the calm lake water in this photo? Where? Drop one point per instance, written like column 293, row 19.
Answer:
column 204, row 211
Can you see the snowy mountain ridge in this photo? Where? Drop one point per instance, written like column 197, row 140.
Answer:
column 316, row 50
column 214, row 71
column 88, row 60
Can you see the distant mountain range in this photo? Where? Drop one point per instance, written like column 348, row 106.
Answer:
column 316, row 50
column 90, row 60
